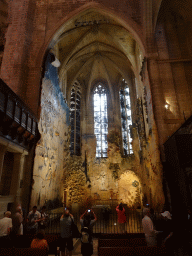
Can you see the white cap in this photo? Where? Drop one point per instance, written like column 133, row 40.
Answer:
column 166, row 214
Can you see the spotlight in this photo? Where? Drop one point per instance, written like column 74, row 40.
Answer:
column 167, row 106
column 56, row 63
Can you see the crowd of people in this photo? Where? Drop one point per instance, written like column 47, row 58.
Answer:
column 12, row 225
column 35, row 224
column 87, row 220
column 158, row 228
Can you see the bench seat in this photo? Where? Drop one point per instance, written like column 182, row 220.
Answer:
column 128, row 242
column 132, row 251
column 22, row 252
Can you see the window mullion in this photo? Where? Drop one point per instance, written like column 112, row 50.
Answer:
column 125, row 116
column 100, row 119
column 75, row 122
column 101, row 125
column 127, row 128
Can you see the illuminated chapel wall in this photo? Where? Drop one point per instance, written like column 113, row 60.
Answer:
column 133, row 180
column 52, row 148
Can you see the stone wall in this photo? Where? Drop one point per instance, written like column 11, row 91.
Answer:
column 51, row 149
column 134, row 180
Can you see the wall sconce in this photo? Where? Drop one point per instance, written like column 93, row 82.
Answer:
column 54, row 61
column 167, row 106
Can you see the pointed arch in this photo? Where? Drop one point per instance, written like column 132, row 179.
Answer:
column 54, row 34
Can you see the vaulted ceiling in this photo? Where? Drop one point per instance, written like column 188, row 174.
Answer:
column 95, row 46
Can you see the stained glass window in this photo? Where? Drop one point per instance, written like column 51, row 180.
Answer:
column 126, row 119
column 100, row 120
column 75, row 108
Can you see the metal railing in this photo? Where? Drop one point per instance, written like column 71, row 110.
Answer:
column 106, row 222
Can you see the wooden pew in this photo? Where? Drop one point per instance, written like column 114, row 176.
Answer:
column 22, row 252
column 122, row 236
column 29, row 252
column 132, row 251
column 128, row 242
column 24, row 241
column 6, row 251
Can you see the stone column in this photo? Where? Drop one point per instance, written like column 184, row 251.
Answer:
column 158, row 102
column 17, row 176
column 2, row 154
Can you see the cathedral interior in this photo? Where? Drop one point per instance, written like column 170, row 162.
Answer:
column 96, row 103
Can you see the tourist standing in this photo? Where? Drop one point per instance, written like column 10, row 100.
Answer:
column 17, row 222
column 43, row 223
column 148, row 228
column 66, row 240
column 32, row 220
column 87, row 221
column 121, row 217
column 5, row 229
column 167, row 227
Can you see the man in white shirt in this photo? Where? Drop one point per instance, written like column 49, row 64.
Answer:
column 32, row 220
column 148, row 228
column 5, row 228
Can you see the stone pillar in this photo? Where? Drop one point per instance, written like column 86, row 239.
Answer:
column 2, row 154
column 158, row 102
column 17, row 176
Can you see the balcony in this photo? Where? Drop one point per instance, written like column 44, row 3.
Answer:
column 17, row 123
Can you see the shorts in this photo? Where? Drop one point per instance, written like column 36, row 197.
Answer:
column 66, row 242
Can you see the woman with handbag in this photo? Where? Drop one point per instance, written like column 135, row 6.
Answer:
column 66, row 240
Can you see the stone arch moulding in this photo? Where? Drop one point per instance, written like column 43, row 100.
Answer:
column 126, row 22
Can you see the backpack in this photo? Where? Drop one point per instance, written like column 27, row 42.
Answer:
column 85, row 236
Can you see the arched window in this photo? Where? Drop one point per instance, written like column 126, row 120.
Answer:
column 75, row 108
column 126, row 119
column 100, row 120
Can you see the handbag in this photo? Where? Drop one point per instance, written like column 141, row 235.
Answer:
column 75, row 230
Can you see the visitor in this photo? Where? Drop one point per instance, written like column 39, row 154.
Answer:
column 153, row 217
column 5, row 229
column 17, row 222
column 148, row 228
column 87, row 221
column 121, row 217
column 33, row 218
column 40, row 242
column 43, row 223
column 167, row 228
column 66, row 240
